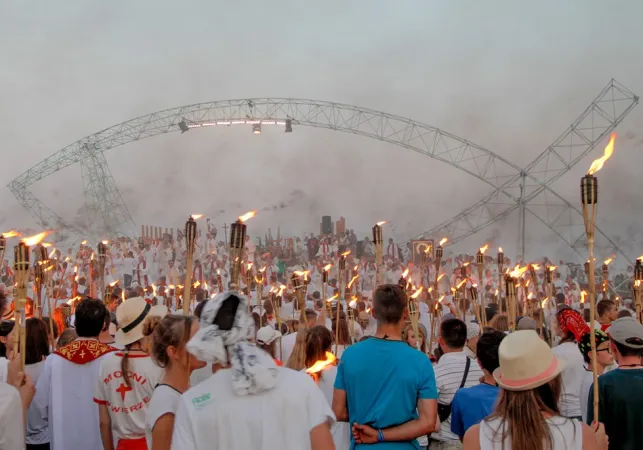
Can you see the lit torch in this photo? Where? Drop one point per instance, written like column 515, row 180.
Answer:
column 638, row 278
column 510, row 289
column 482, row 300
column 501, row 265
column 589, row 200
column 414, row 315
column 605, row 273
column 378, row 242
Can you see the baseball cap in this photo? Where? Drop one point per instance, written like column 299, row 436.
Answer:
column 266, row 335
column 473, row 330
column 627, row 331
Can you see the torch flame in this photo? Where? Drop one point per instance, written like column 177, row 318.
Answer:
column 249, row 265
column 196, row 216
column 609, row 260
column 417, row 293
column 322, row 364
column 379, row 224
column 282, row 288
column 52, row 253
column 461, row 284
column 640, row 258
column 518, row 271
column 171, row 286
column 346, row 253
column 497, row 291
column 405, row 273
column 83, row 243
column 552, row 268
column 75, row 269
column 598, row 163
column 544, row 302
column 427, row 249
column 36, row 239
column 327, row 267
column 219, row 271
column 484, row 249
column 329, row 300
column 352, row 281
column 500, row 250
column 196, row 284
column 441, row 298
column 356, row 267
column 353, row 303
column 536, row 266
column 440, row 276
column 10, row 234
column 583, row 294
column 46, row 244
column 105, row 242
column 530, row 296
column 246, row 216
column 443, row 241
column 262, row 270
column 114, row 283
column 153, row 289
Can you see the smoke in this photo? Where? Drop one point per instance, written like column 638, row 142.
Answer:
column 489, row 73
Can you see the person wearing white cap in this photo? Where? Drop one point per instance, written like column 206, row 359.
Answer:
column 249, row 402
column 127, row 379
column 527, row 415
column 267, row 338
column 473, row 334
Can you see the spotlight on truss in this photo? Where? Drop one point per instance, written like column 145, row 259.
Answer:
column 288, row 126
column 183, row 126
column 256, row 128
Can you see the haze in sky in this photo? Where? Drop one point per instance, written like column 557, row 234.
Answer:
column 507, row 75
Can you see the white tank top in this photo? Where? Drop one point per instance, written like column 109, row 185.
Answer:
column 567, row 434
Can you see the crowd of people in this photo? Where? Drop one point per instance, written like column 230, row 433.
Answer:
column 342, row 361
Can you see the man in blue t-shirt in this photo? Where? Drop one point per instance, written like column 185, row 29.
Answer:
column 471, row 405
column 385, row 388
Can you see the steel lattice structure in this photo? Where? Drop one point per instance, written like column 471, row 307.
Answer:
column 511, row 187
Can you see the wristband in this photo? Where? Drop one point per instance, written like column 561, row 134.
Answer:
column 380, row 436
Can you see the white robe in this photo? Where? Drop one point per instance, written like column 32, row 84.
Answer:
column 64, row 397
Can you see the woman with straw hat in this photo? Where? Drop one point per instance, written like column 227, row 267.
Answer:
column 527, row 415
column 126, row 379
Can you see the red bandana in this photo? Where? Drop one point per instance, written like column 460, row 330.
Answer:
column 572, row 321
column 84, row 351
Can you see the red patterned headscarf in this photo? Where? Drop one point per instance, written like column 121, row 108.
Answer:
column 571, row 321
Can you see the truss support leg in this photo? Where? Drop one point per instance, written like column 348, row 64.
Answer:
column 109, row 215
column 521, row 217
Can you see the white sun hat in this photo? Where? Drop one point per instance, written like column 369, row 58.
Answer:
column 130, row 316
column 526, row 362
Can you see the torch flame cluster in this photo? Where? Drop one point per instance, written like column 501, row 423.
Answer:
column 598, row 163
column 36, row 239
column 247, row 216
column 321, row 364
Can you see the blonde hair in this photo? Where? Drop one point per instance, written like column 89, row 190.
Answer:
column 171, row 330
column 297, row 359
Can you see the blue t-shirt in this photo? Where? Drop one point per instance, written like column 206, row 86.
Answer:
column 471, row 405
column 383, row 381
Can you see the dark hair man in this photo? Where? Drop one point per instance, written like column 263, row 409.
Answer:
column 384, row 387
column 620, row 391
column 471, row 405
column 607, row 313
column 453, row 371
column 74, row 368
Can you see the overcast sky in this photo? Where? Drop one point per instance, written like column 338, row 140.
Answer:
column 510, row 76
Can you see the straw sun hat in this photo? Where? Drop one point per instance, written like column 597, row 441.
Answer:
column 526, row 362
column 130, row 316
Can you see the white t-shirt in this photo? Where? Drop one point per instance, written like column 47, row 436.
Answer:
column 165, row 400
column 37, row 426
column 212, row 416
column 287, row 346
column 583, row 392
column 4, row 369
column 566, row 434
column 127, row 405
column 572, row 377
column 12, row 430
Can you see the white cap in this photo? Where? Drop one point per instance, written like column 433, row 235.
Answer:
column 266, row 335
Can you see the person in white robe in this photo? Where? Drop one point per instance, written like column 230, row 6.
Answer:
column 64, row 393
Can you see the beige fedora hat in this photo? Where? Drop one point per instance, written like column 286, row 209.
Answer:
column 526, row 362
column 130, row 316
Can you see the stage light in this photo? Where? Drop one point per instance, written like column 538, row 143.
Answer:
column 256, row 128
column 183, row 126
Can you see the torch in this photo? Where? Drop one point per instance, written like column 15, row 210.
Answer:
column 532, row 272
column 638, row 278
column 21, row 260
column 550, row 295
column 483, row 303
column 351, row 317
column 341, row 269
column 414, row 315
column 605, row 274
column 102, row 258
column 589, row 200
column 378, row 242
column 219, row 281
column 92, row 276
column 109, row 289
column 510, row 289
column 237, row 242
column 190, row 240
column 325, row 271
column 501, row 264
column 259, row 284
column 438, row 261
column 300, row 293
column 479, row 312
column 249, row 277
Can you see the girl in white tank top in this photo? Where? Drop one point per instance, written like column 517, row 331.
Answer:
column 566, row 434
